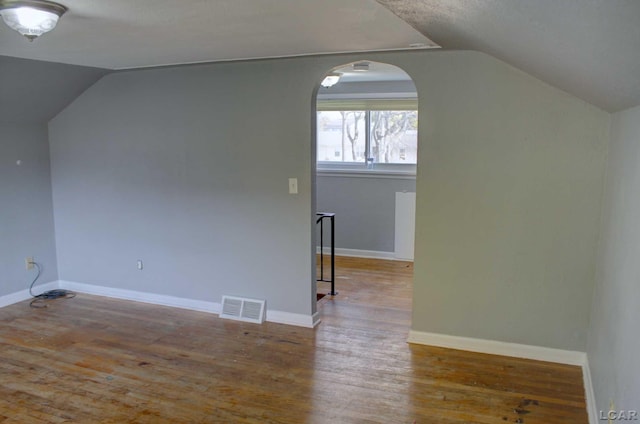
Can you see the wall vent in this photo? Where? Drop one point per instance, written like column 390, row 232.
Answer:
column 243, row 309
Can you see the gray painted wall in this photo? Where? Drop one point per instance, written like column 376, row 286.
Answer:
column 33, row 91
column 364, row 207
column 26, row 213
column 186, row 168
column 509, row 191
column 613, row 342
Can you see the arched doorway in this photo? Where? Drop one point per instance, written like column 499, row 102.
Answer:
column 365, row 144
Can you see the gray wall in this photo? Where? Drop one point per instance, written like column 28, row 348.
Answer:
column 31, row 93
column 613, row 338
column 364, row 207
column 509, row 191
column 26, row 214
column 186, row 168
column 35, row 91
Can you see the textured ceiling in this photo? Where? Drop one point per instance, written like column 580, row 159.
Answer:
column 121, row 34
column 589, row 48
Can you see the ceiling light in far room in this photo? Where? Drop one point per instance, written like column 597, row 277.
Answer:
column 31, row 18
column 360, row 66
column 330, row 80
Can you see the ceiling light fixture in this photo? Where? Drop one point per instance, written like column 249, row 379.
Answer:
column 31, row 18
column 330, row 80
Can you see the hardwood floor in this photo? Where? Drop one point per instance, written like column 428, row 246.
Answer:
column 98, row 360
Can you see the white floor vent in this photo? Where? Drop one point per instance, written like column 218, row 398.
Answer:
column 243, row 309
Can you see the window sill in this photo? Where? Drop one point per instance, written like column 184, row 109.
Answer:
column 366, row 173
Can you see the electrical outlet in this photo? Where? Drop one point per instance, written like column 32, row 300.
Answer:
column 28, row 263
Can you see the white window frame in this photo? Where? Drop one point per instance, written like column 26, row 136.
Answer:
column 361, row 169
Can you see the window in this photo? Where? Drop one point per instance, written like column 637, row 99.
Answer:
column 367, row 133
column 341, row 136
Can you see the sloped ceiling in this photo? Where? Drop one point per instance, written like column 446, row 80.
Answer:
column 589, row 48
column 35, row 91
column 125, row 34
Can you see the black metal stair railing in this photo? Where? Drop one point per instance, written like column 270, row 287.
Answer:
column 331, row 217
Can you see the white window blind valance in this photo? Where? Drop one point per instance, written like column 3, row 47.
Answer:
column 367, row 104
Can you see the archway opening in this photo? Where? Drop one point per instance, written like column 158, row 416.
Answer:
column 366, row 157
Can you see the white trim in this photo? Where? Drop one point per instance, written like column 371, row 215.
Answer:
column 280, row 317
column 17, row 297
column 357, row 253
column 493, row 347
column 367, row 95
column 366, row 173
column 568, row 357
column 429, row 45
column 156, row 299
column 589, row 393
column 370, row 102
column 299, row 320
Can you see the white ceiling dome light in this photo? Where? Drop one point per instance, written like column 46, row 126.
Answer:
column 31, row 18
column 330, row 80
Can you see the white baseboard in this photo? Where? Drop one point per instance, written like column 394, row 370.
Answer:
column 492, row 347
column 589, row 394
column 299, row 320
column 357, row 253
column 22, row 295
column 145, row 297
column 568, row 357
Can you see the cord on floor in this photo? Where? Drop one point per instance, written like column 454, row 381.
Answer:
column 41, row 300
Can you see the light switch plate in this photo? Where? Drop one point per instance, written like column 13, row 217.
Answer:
column 293, row 186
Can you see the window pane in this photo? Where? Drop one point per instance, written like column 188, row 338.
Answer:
column 394, row 136
column 341, row 136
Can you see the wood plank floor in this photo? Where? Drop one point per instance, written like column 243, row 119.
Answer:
column 97, row 360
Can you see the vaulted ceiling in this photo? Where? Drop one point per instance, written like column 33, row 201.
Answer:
column 124, row 34
column 589, row 48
